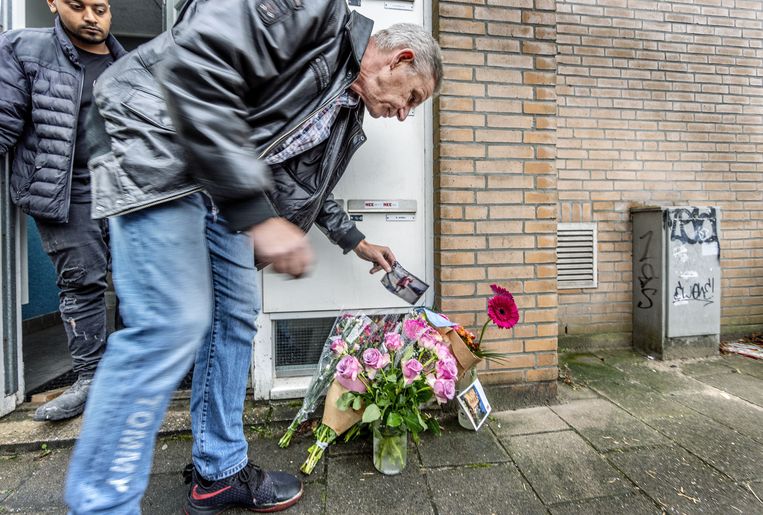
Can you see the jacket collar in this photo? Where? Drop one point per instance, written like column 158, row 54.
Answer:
column 113, row 45
column 359, row 30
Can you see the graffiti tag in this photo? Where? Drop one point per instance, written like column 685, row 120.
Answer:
column 697, row 291
column 646, row 275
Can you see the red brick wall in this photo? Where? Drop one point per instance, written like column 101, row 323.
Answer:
column 495, row 175
column 660, row 103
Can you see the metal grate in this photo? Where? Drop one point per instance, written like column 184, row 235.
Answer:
column 576, row 255
column 298, row 344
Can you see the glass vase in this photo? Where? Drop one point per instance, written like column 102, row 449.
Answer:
column 463, row 383
column 390, row 449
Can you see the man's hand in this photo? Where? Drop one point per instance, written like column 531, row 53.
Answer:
column 381, row 257
column 282, row 244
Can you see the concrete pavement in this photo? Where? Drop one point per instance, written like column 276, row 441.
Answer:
column 626, row 435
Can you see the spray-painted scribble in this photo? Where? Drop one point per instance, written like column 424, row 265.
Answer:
column 692, row 225
column 697, row 291
column 646, row 275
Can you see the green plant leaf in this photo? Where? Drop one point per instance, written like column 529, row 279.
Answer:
column 357, row 403
column 394, row 419
column 371, row 414
column 344, row 401
column 422, row 423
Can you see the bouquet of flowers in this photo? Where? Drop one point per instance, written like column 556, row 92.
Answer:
column 386, row 383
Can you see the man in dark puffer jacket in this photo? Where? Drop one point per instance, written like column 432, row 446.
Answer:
column 46, row 84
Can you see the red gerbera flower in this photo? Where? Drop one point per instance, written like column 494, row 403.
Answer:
column 502, row 309
column 498, row 290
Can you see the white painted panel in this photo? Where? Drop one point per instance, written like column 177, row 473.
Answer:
column 392, row 165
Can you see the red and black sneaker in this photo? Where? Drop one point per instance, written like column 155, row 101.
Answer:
column 251, row 488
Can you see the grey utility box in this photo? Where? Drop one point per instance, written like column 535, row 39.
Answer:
column 677, row 281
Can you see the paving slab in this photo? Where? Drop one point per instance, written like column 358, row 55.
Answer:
column 459, row 446
column 527, row 421
column 742, row 385
column 706, row 367
column 562, row 467
column 493, row 489
column 14, row 470
column 632, row 504
column 574, row 392
column 660, row 376
column 681, row 483
column 43, row 490
column 640, row 401
column 587, row 367
column 166, row 493
column 606, row 426
column 727, row 409
column 749, row 366
column 732, row 453
column 354, row 486
column 265, row 452
column 757, row 489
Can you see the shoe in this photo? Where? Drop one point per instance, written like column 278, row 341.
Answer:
column 67, row 405
column 251, row 488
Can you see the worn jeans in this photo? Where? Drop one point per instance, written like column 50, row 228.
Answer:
column 79, row 250
column 187, row 288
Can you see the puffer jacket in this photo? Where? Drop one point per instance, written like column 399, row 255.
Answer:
column 238, row 76
column 40, row 87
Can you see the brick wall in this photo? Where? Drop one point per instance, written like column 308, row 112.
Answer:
column 660, row 103
column 495, row 176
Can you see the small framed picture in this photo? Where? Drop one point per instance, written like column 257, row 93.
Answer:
column 475, row 404
column 404, row 284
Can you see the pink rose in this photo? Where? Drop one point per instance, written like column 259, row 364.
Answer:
column 414, row 327
column 443, row 352
column 338, row 345
column 374, row 360
column 446, row 369
column 429, row 339
column 444, row 390
column 347, row 371
column 393, row 342
column 411, row 370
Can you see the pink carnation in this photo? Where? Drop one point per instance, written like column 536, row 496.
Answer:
column 338, row 345
column 413, row 328
column 393, row 342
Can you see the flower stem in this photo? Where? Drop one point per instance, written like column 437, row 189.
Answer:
column 482, row 333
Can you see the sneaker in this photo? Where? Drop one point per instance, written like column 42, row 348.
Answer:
column 67, row 405
column 251, row 488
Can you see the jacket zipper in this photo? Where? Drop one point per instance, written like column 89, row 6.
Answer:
column 293, row 129
column 74, row 142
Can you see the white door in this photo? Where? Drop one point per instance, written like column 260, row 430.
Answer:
column 387, row 191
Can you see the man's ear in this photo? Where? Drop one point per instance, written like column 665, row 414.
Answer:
column 52, row 6
column 402, row 56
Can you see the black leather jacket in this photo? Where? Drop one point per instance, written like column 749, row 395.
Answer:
column 237, row 76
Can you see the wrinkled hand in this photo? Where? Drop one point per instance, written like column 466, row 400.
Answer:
column 381, row 257
column 282, row 244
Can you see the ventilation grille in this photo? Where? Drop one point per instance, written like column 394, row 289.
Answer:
column 299, row 343
column 576, row 256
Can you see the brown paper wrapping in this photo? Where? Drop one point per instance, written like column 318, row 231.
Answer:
column 465, row 359
column 338, row 420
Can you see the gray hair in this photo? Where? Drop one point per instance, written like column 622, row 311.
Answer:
column 427, row 58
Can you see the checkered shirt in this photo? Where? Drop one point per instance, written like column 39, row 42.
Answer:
column 313, row 131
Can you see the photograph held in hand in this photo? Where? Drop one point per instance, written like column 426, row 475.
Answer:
column 404, row 284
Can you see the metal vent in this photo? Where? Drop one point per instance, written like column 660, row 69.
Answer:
column 299, row 343
column 576, row 256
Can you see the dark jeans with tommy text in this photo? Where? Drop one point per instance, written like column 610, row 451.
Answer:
column 79, row 250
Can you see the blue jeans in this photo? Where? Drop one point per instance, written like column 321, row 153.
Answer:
column 187, row 288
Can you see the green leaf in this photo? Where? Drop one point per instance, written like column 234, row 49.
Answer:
column 421, row 421
column 371, row 414
column 344, row 401
column 394, row 419
column 357, row 403
column 434, row 426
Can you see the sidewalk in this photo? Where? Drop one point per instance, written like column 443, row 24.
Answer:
column 628, row 435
